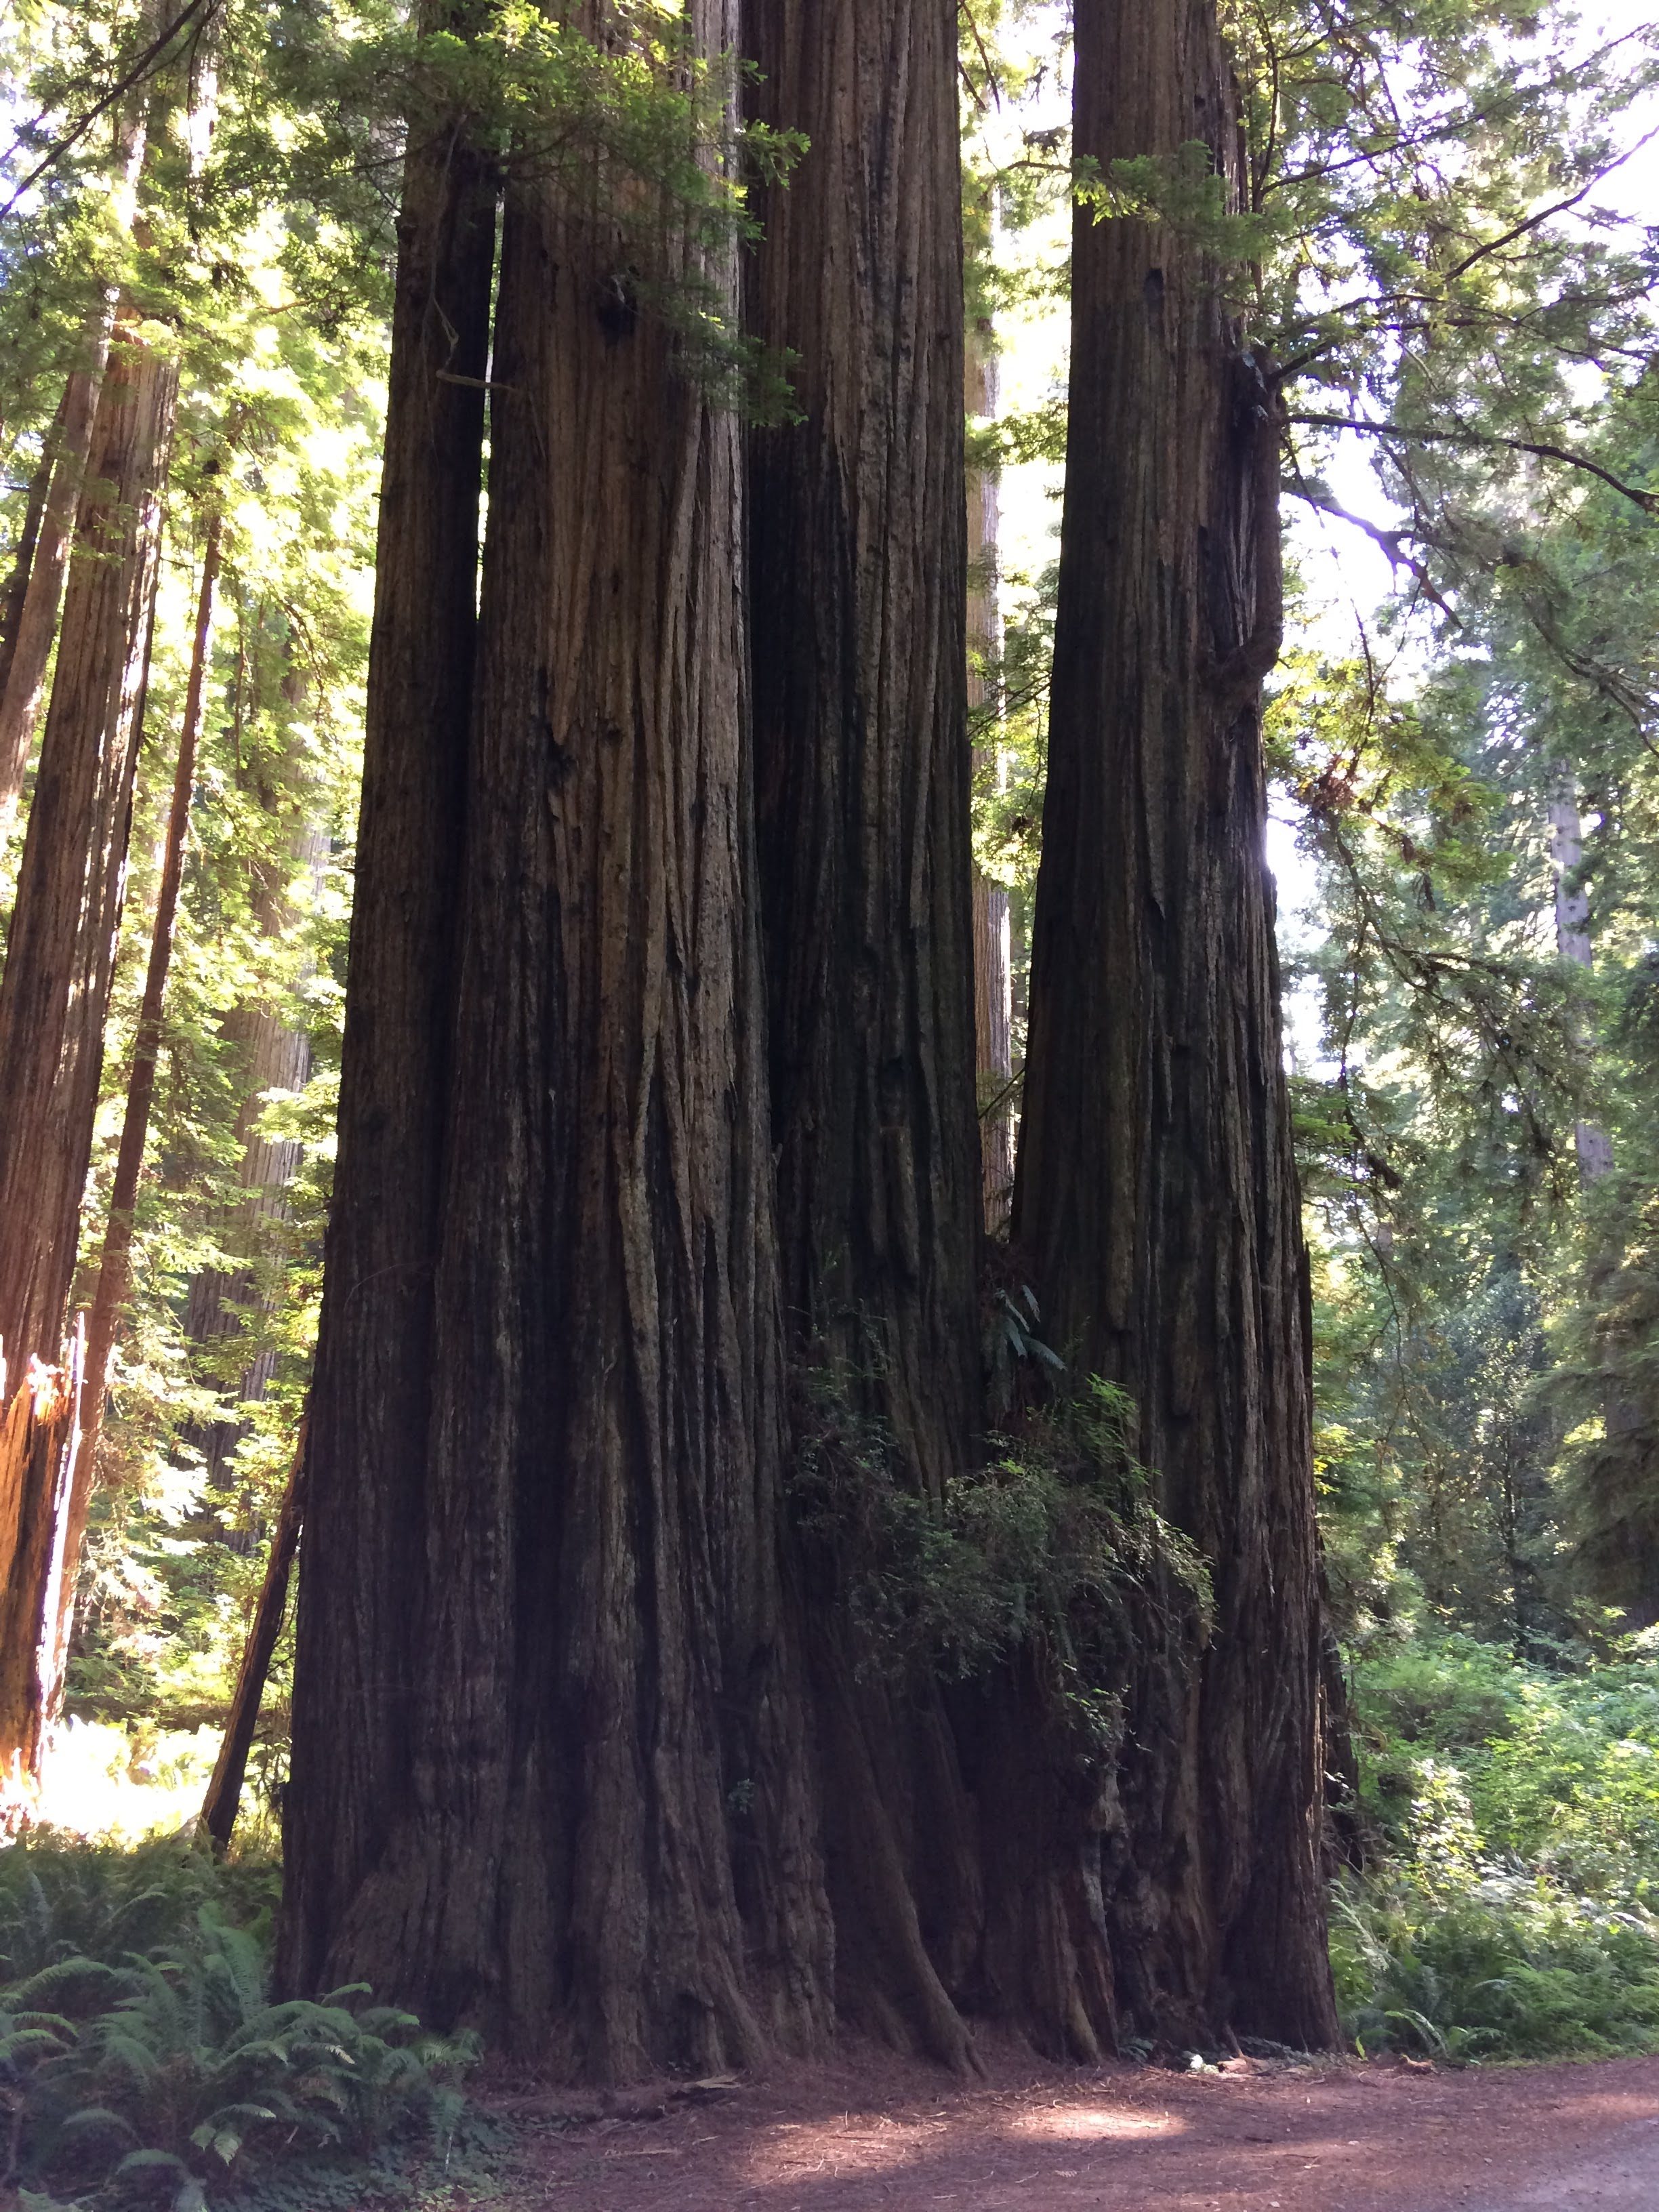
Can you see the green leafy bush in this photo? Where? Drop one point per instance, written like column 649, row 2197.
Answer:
column 154, row 2066
column 1054, row 1540
column 1514, row 1816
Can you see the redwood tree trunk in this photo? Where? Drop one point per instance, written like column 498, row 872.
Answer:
column 28, row 541
column 29, row 644
column 359, row 1632
column 857, row 571
column 60, row 954
column 1156, row 1196
column 960, row 1849
column 594, row 1835
column 857, row 590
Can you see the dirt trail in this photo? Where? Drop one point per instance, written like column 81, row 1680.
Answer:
column 872, row 2134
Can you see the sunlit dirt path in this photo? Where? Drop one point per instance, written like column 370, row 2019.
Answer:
column 871, row 2134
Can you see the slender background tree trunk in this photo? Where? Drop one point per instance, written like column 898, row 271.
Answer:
column 114, row 1273
column 994, row 1051
column 1156, row 1196
column 271, row 1057
column 1572, row 941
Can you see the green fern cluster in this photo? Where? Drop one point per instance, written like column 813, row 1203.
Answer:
column 160, row 2073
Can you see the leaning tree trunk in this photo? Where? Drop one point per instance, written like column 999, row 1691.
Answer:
column 1156, row 1196
column 589, row 1830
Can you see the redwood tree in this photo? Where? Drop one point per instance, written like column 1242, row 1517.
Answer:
column 358, row 1625
column 54, row 994
column 1156, row 1195
column 550, row 1759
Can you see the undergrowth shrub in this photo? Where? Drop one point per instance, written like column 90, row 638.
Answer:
column 154, row 2068
column 1055, row 1540
column 1513, row 1814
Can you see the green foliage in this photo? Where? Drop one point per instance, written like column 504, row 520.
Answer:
column 1514, row 1812
column 155, row 2067
column 1053, row 1543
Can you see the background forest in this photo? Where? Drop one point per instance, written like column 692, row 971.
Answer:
column 1443, row 248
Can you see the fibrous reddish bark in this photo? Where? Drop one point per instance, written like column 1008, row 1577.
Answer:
column 596, row 1838
column 1156, row 1197
column 22, row 559
column 857, row 570
column 60, row 954
column 28, row 645
column 358, row 1633
column 857, row 578
column 947, row 1900
column 37, row 1449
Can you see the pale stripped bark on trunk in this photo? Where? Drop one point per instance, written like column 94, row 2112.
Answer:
column 39, row 1411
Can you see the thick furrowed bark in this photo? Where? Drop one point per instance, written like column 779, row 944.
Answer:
column 857, row 585
column 1156, row 1193
column 60, row 954
column 597, row 1839
column 857, row 572
column 359, row 1612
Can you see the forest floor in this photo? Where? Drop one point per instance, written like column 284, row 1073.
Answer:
column 870, row 2133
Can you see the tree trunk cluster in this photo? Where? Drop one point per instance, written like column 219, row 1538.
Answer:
column 659, row 1168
